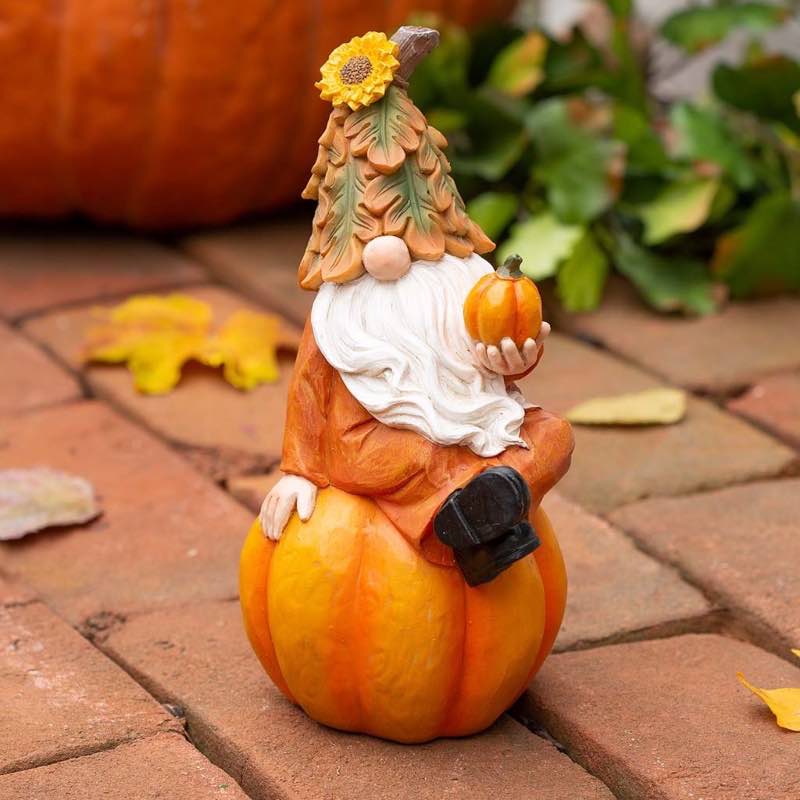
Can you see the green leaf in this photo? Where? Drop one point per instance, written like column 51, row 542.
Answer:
column 667, row 284
column 495, row 157
column 442, row 75
column 518, row 68
column 765, row 87
column 493, row 211
column 543, row 242
column 447, row 120
column 645, row 150
column 763, row 254
column 681, row 207
column 494, row 140
column 576, row 167
column 582, row 277
column 703, row 135
column 696, row 28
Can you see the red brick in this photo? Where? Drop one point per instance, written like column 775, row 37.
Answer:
column 14, row 593
column 614, row 465
column 261, row 261
column 716, row 354
column 164, row 766
column 250, row 490
column 45, row 271
column 61, row 697
column 667, row 719
column 228, row 431
column 773, row 404
column 199, row 658
column 615, row 590
column 30, row 378
column 741, row 544
column 166, row 535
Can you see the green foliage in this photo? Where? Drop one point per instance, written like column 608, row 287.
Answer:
column 583, row 275
column 566, row 157
column 762, row 254
column 697, row 28
column 680, row 207
column 765, row 87
column 493, row 211
column 574, row 165
column 543, row 242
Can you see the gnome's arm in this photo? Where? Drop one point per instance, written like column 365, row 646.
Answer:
column 305, row 433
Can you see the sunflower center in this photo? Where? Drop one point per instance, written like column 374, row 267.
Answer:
column 355, row 70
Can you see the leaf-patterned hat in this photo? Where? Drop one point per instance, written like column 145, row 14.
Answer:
column 381, row 170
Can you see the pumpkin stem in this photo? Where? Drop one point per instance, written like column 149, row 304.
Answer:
column 510, row 267
column 414, row 44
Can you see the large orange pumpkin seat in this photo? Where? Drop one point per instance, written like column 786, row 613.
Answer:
column 356, row 626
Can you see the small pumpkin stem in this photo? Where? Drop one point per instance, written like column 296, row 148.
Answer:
column 414, row 44
column 510, row 267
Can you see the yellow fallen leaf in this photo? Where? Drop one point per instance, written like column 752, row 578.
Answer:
column 784, row 703
column 245, row 348
column 796, row 652
column 155, row 335
column 662, row 406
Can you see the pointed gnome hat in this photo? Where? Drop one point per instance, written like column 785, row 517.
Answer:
column 381, row 169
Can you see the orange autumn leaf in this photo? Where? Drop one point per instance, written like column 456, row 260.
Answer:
column 156, row 335
column 784, row 703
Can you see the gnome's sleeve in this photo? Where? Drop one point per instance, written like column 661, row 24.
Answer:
column 306, row 413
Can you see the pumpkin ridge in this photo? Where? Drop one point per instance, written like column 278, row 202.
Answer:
column 455, row 693
column 287, row 691
column 357, row 636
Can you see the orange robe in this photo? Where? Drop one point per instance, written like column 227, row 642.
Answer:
column 332, row 440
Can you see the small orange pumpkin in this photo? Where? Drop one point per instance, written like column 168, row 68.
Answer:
column 504, row 303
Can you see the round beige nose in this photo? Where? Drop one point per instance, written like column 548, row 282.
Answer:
column 386, row 258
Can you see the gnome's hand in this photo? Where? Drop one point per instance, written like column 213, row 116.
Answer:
column 508, row 359
column 289, row 492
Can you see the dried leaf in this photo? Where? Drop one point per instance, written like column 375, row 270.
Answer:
column 662, row 406
column 783, row 703
column 155, row 335
column 37, row 498
column 245, row 348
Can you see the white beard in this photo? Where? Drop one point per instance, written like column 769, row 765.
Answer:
column 402, row 350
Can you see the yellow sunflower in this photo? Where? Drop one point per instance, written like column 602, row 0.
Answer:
column 357, row 72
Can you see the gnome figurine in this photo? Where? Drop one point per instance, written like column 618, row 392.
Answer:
column 402, row 579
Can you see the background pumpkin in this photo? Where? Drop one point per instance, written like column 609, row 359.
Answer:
column 355, row 626
column 163, row 113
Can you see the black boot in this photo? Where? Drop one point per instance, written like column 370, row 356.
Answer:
column 486, row 508
column 482, row 563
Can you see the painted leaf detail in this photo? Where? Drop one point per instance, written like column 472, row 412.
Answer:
column 783, row 703
column 662, row 406
column 38, row 498
column 386, row 131
column 405, row 205
column 348, row 225
column 381, row 170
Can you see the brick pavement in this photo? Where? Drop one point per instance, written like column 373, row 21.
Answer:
column 699, row 537
column 224, row 430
